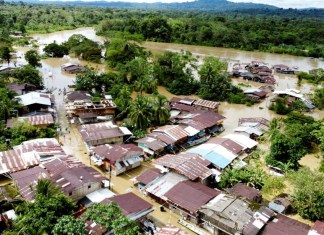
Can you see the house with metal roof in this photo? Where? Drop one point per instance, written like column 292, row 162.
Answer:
column 162, row 185
column 35, row 101
column 225, row 213
column 40, row 120
column 246, row 192
column 104, row 133
column 190, row 165
column 243, row 140
column 206, row 105
column 219, row 156
column 132, row 206
column 152, row 146
column 187, row 197
column 147, row 178
column 229, row 144
column 117, row 158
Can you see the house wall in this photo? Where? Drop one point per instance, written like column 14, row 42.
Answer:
column 80, row 192
column 184, row 213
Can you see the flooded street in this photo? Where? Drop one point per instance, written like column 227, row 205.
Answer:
column 54, row 79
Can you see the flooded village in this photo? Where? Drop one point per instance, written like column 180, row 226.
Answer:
column 167, row 180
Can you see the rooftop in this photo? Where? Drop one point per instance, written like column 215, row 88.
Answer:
column 190, row 165
column 129, row 203
column 149, row 175
column 117, row 151
column 34, row 98
column 190, row 195
column 242, row 190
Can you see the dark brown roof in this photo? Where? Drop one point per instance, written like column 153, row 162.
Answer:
column 19, row 87
column 78, row 95
column 129, row 203
column 93, row 133
column 242, row 190
column 182, row 107
column 116, row 152
column 148, row 176
column 190, row 195
column 228, row 144
column 319, row 227
column 27, row 178
column 190, row 165
column 283, row 225
column 73, row 178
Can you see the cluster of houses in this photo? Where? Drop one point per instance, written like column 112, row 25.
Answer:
column 37, row 107
column 256, row 71
column 84, row 108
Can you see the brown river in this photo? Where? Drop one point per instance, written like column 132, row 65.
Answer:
column 54, row 78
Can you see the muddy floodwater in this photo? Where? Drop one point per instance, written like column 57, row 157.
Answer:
column 55, row 79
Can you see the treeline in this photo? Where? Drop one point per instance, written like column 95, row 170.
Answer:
column 279, row 31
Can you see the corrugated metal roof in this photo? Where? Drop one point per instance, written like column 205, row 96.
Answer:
column 175, row 132
column 206, row 103
column 152, row 143
column 34, row 98
column 228, row 144
column 242, row 140
column 116, row 152
column 190, row 195
column 27, row 179
column 190, row 165
column 149, row 175
column 129, row 203
column 164, row 184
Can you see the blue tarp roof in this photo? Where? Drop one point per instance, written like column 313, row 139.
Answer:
column 217, row 159
column 203, row 152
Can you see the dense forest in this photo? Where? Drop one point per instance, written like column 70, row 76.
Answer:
column 279, row 31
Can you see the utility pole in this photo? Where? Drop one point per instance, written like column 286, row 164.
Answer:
column 109, row 175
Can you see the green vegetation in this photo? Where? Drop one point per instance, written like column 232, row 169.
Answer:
column 318, row 98
column 317, row 77
column 40, row 216
column 281, row 106
column 291, row 138
column 83, row 47
column 52, row 213
column 68, row 225
column 28, row 74
column 113, row 219
column 33, row 58
column 308, row 195
column 250, row 176
column 56, row 50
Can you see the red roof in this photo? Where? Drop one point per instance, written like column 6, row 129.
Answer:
column 148, row 176
column 283, row 225
column 319, row 227
column 129, row 203
column 228, row 144
column 116, row 152
column 190, row 195
column 182, row 107
column 245, row 191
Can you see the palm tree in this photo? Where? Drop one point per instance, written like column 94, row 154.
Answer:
column 161, row 112
column 141, row 112
column 45, row 187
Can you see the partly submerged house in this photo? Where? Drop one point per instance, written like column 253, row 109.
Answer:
column 147, row 178
column 36, row 101
column 117, row 158
column 104, row 133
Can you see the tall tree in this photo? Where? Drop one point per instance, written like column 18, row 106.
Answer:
column 161, row 112
column 33, row 58
column 141, row 112
column 5, row 54
column 68, row 225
